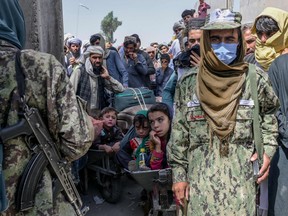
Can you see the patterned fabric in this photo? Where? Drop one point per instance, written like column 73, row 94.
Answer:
column 219, row 185
column 84, row 89
column 223, row 19
column 48, row 89
column 273, row 47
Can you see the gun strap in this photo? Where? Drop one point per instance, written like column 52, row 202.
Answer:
column 20, row 76
column 256, row 123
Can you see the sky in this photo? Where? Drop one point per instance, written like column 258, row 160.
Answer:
column 152, row 20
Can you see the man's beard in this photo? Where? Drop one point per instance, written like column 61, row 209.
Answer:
column 76, row 54
column 97, row 69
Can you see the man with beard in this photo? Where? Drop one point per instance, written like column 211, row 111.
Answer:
column 73, row 56
column 91, row 79
column 112, row 60
column 212, row 145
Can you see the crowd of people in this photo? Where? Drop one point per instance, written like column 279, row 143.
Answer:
column 221, row 107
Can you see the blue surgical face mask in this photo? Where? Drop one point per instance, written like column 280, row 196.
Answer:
column 225, row 52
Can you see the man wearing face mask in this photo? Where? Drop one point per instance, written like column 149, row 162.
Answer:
column 212, row 147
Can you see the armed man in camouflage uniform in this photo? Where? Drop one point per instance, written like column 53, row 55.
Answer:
column 211, row 146
column 48, row 89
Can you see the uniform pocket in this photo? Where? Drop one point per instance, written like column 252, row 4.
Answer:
column 199, row 132
column 243, row 130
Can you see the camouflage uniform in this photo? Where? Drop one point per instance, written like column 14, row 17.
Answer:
column 48, row 89
column 219, row 185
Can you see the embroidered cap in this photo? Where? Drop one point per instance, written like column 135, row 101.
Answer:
column 222, row 19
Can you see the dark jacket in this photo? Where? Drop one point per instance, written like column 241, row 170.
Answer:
column 150, row 65
column 162, row 78
column 137, row 71
column 108, row 137
column 116, row 68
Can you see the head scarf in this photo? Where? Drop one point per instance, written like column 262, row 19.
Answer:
column 74, row 40
column 12, row 24
column 219, row 88
column 265, row 53
column 178, row 25
column 94, row 50
column 142, row 112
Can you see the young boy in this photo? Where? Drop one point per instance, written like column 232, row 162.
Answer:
column 142, row 128
column 111, row 135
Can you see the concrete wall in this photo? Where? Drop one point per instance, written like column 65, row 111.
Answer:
column 250, row 9
column 44, row 26
column 216, row 4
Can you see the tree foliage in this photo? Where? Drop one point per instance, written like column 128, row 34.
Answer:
column 109, row 25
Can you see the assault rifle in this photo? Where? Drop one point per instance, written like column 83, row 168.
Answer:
column 45, row 154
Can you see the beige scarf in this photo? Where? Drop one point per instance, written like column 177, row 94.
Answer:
column 219, row 89
column 265, row 53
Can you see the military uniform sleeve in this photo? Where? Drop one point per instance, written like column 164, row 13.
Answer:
column 74, row 78
column 51, row 91
column 268, row 105
column 177, row 147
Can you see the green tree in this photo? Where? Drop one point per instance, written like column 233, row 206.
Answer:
column 109, row 25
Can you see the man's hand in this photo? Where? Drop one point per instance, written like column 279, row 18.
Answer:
column 72, row 60
column 133, row 55
column 264, row 171
column 105, row 73
column 108, row 149
column 195, row 59
column 181, row 191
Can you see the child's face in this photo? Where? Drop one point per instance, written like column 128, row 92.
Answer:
column 109, row 119
column 142, row 130
column 160, row 123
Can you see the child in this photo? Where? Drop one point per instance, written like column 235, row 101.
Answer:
column 160, row 118
column 202, row 9
column 142, row 129
column 111, row 135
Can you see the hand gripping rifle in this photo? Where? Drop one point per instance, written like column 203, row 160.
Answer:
column 45, row 154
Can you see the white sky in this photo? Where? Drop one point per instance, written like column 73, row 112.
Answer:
column 152, row 20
